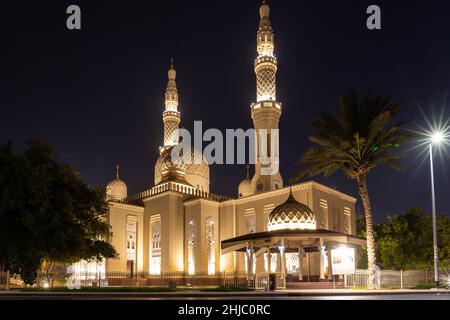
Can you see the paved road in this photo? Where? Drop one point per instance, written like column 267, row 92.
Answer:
column 428, row 296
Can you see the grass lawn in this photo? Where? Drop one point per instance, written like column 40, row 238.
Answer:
column 424, row 287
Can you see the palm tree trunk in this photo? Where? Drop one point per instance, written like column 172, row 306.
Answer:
column 372, row 260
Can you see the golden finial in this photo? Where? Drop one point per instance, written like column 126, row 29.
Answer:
column 171, row 63
column 117, row 172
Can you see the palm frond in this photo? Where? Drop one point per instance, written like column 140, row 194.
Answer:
column 358, row 138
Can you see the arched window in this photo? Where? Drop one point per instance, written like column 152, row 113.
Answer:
column 211, row 245
column 155, row 245
column 191, row 245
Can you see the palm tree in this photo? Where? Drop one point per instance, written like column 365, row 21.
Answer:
column 360, row 138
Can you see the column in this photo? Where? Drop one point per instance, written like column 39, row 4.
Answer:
column 300, row 264
column 282, row 250
column 250, row 253
column 330, row 270
column 322, row 262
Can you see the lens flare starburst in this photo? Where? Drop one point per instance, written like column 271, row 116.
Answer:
column 445, row 280
column 434, row 131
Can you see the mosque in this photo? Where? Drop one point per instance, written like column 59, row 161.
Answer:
column 179, row 226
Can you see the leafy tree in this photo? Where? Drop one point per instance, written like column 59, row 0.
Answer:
column 406, row 241
column 48, row 213
column 360, row 138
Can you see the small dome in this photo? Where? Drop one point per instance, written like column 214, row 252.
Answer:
column 245, row 188
column 116, row 189
column 291, row 215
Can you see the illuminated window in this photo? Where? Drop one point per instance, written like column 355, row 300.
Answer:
column 292, row 262
column 155, row 245
column 337, row 219
column 211, row 245
column 250, row 221
column 323, row 213
column 131, row 231
column 348, row 220
column 273, row 262
column 191, row 241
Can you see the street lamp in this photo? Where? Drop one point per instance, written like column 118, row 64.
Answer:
column 436, row 139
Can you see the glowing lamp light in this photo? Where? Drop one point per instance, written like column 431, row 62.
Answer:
column 46, row 285
column 437, row 137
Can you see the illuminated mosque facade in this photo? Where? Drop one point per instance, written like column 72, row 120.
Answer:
column 179, row 226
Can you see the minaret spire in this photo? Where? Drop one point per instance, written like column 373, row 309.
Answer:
column 266, row 63
column 266, row 112
column 171, row 116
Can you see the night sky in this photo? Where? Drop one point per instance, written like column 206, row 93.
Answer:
column 97, row 95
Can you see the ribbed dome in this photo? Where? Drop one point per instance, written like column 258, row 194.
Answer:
column 291, row 215
column 167, row 163
column 195, row 173
column 116, row 189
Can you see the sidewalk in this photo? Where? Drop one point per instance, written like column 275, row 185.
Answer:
column 200, row 294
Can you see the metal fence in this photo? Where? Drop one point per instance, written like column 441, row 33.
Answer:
column 385, row 279
column 142, row 279
column 392, row 279
column 262, row 281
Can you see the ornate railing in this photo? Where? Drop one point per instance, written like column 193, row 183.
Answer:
column 142, row 279
column 176, row 187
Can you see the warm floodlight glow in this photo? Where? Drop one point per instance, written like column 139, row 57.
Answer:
column 437, row 137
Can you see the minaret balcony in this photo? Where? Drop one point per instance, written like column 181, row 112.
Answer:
column 267, row 105
column 175, row 114
column 266, row 59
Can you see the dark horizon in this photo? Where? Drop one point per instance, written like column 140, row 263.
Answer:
column 97, row 95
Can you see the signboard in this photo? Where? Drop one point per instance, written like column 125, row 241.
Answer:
column 343, row 261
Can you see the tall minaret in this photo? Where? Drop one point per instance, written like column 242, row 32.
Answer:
column 171, row 116
column 266, row 112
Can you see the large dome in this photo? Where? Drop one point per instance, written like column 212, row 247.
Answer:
column 167, row 163
column 116, row 189
column 291, row 215
column 195, row 173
